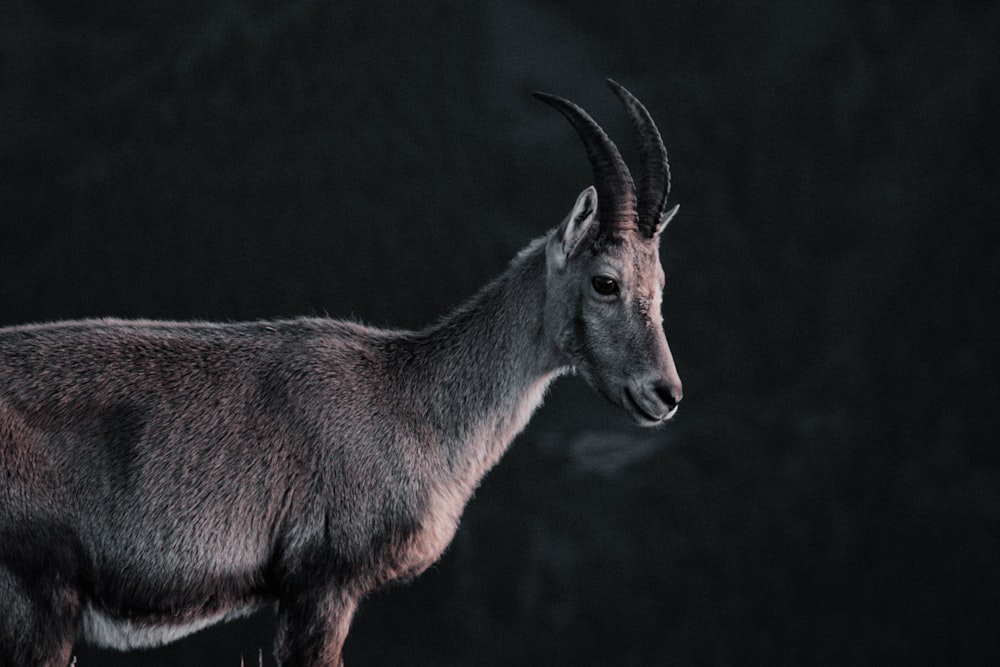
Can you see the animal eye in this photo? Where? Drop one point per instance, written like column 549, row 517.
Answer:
column 604, row 285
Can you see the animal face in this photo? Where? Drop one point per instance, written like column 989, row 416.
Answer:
column 604, row 276
column 604, row 294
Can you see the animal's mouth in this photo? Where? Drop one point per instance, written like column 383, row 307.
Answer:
column 643, row 414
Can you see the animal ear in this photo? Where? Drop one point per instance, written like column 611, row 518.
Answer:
column 665, row 219
column 575, row 227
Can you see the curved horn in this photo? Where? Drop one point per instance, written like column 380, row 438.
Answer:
column 654, row 174
column 616, row 203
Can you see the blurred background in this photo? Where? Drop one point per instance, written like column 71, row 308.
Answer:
column 829, row 491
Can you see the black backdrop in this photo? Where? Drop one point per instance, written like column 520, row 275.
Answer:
column 829, row 492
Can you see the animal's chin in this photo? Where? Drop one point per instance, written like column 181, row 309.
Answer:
column 623, row 398
column 641, row 415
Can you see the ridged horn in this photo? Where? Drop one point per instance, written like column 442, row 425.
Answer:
column 616, row 202
column 654, row 174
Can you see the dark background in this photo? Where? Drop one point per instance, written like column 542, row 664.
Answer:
column 830, row 489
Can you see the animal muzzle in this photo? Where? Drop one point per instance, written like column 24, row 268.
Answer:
column 653, row 400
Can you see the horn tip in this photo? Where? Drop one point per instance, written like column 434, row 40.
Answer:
column 621, row 91
column 553, row 100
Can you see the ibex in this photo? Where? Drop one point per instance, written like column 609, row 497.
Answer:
column 159, row 477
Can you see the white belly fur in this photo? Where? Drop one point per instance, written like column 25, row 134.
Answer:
column 100, row 629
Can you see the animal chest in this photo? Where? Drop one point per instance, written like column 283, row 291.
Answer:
column 431, row 533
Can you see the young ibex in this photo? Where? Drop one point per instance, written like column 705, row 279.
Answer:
column 159, row 477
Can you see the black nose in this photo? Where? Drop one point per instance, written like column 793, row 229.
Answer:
column 671, row 394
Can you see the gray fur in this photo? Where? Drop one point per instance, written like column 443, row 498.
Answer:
column 157, row 477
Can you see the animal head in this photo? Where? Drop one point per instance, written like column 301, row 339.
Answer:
column 604, row 281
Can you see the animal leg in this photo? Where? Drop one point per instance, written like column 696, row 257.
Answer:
column 37, row 624
column 312, row 629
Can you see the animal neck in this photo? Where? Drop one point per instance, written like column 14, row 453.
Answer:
column 486, row 367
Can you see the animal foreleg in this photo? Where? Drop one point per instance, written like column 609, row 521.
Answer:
column 312, row 629
column 36, row 625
